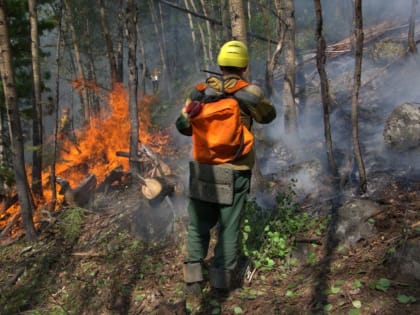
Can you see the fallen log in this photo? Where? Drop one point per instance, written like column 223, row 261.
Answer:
column 82, row 194
column 156, row 189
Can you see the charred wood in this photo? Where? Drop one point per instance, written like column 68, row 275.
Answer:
column 81, row 195
column 117, row 175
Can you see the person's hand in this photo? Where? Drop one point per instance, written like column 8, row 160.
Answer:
column 193, row 109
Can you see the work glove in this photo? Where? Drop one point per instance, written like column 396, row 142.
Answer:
column 193, row 109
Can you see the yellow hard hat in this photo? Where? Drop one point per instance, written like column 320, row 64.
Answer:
column 233, row 54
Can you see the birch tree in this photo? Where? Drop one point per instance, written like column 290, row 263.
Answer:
column 237, row 20
column 15, row 129
column 37, row 125
column 279, row 47
column 289, row 85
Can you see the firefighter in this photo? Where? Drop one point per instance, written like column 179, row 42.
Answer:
column 204, row 214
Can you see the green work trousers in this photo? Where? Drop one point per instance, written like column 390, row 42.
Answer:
column 204, row 216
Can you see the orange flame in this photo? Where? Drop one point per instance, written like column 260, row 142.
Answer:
column 94, row 151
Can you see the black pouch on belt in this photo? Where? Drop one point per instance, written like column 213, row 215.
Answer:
column 211, row 183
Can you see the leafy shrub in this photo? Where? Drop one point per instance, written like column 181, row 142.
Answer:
column 269, row 234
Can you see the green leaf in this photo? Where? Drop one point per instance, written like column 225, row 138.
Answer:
column 290, row 293
column 140, row 297
column 238, row 310
column 328, row 307
column 215, row 311
column 357, row 304
column 382, row 284
column 357, row 284
column 334, row 290
column 354, row 311
column 406, row 299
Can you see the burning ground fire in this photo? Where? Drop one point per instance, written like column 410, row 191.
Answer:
column 96, row 147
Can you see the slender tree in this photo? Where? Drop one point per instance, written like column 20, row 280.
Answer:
column 132, row 81
column 289, row 85
column 193, row 37
column 279, row 47
column 58, row 64
column 109, row 44
column 209, row 32
column 203, row 37
column 358, row 39
column 224, row 14
column 15, row 129
column 325, row 91
column 412, row 47
column 93, row 97
column 78, row 61
column 161, row 44
column 237, row 20
column 37, row 125
column 120, row 41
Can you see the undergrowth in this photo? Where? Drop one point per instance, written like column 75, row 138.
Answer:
column 268, row 235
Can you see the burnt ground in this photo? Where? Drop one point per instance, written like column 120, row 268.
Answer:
column 106, row 267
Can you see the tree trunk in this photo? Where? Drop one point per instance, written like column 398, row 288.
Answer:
column 325, row 91
column 265, row 17
column 161, row 45
column 15, row 129
column 142, row 60
column 132, row 81
column 193, row 38
column 93, row 94
column 412, row 47
column 204, row 50
column 37, row 125
column 78, row 61
column 358, row 35
column 237, row 20
column 225, row 20
column 290, row 112
column 109, row 45
column 58, row 55
column 273, row 61
column 209, row 35
column 120, row 41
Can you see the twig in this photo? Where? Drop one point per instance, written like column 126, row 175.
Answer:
column 309, row 240
column 87, row 254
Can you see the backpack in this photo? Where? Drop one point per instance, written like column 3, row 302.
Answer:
column 218, row 135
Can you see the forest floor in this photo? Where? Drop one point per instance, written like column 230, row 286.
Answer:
column 92, row 263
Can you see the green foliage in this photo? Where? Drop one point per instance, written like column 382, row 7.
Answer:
column 406, row 299
column 268, row 234
column 382, row 284
column 71, row 223
column 6, row 175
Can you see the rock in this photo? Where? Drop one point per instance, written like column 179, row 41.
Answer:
column 402, row 128
column 353, row 224
column 405, row 261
